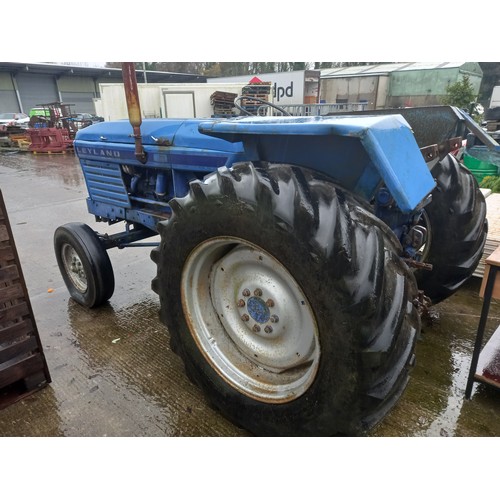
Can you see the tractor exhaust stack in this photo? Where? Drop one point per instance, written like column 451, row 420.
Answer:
column 134, row 107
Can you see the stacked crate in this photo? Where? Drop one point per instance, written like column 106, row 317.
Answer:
column 223, row 103
column 260, row 90
column 23, row 368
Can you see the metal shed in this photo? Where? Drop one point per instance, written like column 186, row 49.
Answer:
column 394, row 85
column 24, row 85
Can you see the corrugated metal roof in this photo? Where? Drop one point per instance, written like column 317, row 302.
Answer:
column 98, row 72
column 385, row 69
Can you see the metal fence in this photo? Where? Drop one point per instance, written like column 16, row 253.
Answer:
column 314, row 109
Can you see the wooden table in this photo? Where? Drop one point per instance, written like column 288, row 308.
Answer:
column 485, row 364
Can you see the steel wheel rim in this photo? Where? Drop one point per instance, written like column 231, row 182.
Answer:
column 423, row 251
column 250, row 319
column 74, row 267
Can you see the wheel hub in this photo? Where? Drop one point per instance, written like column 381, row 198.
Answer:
column 258, row 310
column 74, row 268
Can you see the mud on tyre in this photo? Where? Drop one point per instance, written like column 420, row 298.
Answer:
column 287, row 301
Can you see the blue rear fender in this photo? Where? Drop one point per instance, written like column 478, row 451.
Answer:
column 358, row 153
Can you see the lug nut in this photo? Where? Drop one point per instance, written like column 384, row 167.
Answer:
column 274, row 318
column 257, row 292
column 268, row 329
column 256, row 328
column 270, row 303
column 246, row 292
column 241, row 303
column 245, row 317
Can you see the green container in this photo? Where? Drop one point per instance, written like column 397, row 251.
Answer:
column 480, row 177
column 482, row 162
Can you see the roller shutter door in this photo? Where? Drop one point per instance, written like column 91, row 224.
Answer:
column 82, row 101
column 36, row 89
column 8, row 102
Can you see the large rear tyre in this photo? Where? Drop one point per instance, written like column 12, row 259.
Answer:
column 84, row 264
column 456, row 228
column 287, row 302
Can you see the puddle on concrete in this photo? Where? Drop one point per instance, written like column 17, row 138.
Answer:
column 434, row 403
column 113, row 375
column 63, row 168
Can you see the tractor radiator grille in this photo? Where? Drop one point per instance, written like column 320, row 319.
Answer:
column 105, row 183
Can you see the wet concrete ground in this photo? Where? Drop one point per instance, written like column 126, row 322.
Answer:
column 113, row 373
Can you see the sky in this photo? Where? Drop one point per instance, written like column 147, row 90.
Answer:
column 220, row 30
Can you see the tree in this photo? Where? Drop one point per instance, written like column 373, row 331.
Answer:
column 460, row 94
column 237, row 68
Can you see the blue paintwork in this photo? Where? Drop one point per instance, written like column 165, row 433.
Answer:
column 104, row 147
column 358, row 153
column 184, row 133
column 258, row 310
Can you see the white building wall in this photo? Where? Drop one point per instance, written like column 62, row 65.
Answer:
column 153, row 99
column 200, row 92
column 495, row 97
column 113, row 104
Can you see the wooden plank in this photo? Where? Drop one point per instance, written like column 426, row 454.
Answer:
column 493, row 215
column 17, row 391
column 14, row 312
column 25, row 346
column 493, row 237
column 9, row 273
column 4, row 235
column 492, row 260
column 16, row 331
column 21, row 369
column 6, row 254
column 488, row 365
column 496, row 287
column 11, row 292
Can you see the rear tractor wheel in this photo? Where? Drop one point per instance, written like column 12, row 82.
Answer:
column 456, row 230
column 287, row 301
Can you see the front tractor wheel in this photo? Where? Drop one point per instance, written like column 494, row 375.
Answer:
column 287, row 301
column 84, row 264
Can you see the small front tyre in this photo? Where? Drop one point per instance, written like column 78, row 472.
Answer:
column 84, row 264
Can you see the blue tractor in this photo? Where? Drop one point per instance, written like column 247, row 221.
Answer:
column 295, row 253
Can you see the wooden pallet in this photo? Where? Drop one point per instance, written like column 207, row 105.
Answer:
column 492, row 126
column 23, row 368
column 223, row 96
column 64, row 152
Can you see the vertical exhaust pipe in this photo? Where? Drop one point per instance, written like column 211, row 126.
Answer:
column 134, row 108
